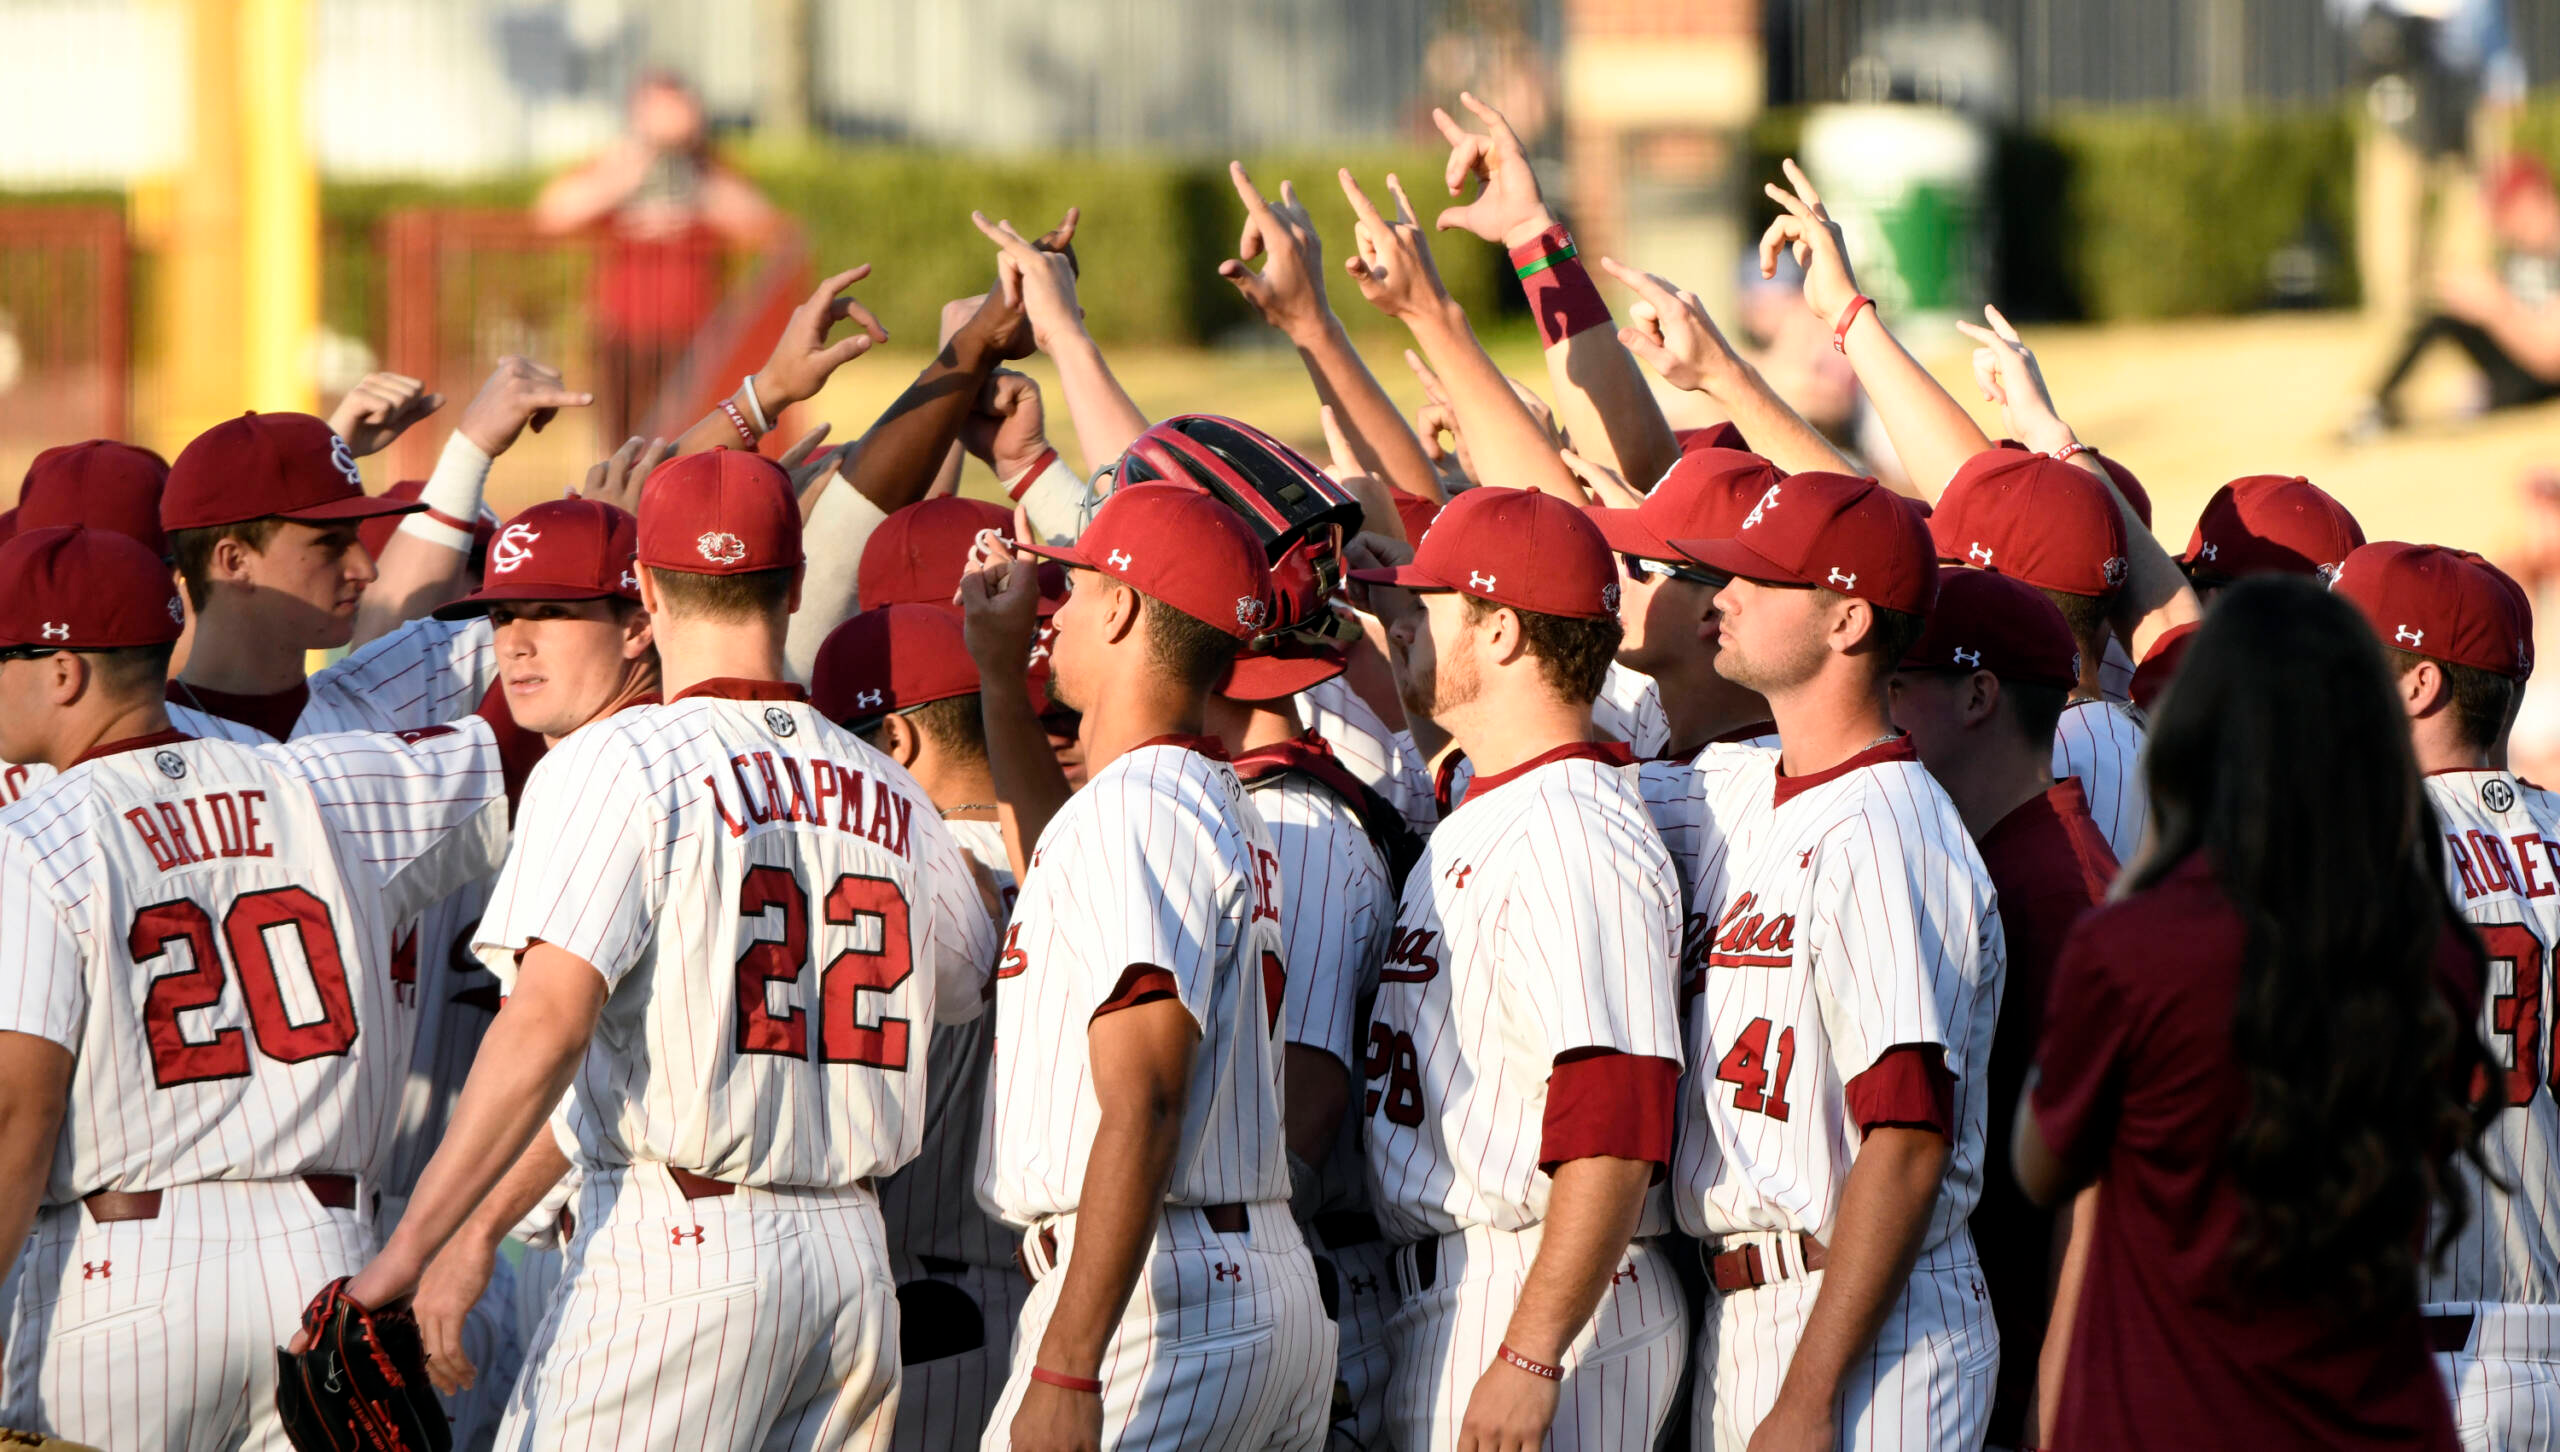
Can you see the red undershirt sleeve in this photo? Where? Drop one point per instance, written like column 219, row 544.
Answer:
column 1608, row 1103
column 1141, row 983
column 1908, row 1088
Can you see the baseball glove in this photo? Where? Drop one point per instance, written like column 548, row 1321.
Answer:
column 362, row 1387
column 12, row 1439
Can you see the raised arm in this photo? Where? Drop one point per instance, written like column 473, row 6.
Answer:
column 1044, row 285
column 1671, row 331
column 380, row 408
column 999, row 600
column 1289, row 294
column 1600, row 394
column 1393, row 266
column 1930, row 430
column 801, row 363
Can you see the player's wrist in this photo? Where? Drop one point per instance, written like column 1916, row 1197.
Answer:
column 1520, row 233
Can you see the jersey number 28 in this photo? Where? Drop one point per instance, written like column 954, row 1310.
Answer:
column 843, row 1038
column 245, row 928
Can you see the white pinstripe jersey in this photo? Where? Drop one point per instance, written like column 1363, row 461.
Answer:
column 776, row 910
column 2115, row 672
column 1162, row 862
column 2100, row 742
column 1850, row 919
column 207, row 927
column 931, row 1206
column 1629, row 709
column 2502, row 866
column 18, row 781
column 1544, row 917
column 1384, row 760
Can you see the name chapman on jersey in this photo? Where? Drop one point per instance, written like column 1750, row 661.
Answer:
column 757, row 785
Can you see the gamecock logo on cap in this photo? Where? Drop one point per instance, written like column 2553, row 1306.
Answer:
column 513, row 546
column 177, row 612
column 1767, row 502
column 1609, row 596
column 345, row 460
column 2114, row 569
column 1251, row 613
column 720, row 547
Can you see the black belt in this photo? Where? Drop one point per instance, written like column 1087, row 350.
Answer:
column 1343, row 1229
column 2449, row 1333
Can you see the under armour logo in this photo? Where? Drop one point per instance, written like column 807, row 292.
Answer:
column 677, row 1234
column 2410, row 638
column 630, row 580
column 1767, row 502
column 869, row 700
column 1622, row 1275
column 1459, row 874
column 1363, row 1285
column 1227, row 1270
column 2209, row 551
column 1476, row 580
column 56, row 630
column 1968, row 658
column 1804, row 860
column 512, row 548
column 1252, row 613
column 1117, row 559
column 345, row 459
column 1844, row 581
column 1980, row 554
column 720, row 547
column 97, row 1270
column 779, row 722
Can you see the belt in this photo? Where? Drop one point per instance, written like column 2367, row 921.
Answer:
column 2449, row 1333
column 699, row 1187
column 1421, row 1261
column 1744, row 1269
column 1226, row 1219
column 1343, row 1229
column 107, row 1207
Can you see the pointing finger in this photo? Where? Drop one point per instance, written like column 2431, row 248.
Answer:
column 2000, row 324
column 1404, row 207
column 1803, row 185
column 1361, row 206
column 1494, row 120
column 1253, row 202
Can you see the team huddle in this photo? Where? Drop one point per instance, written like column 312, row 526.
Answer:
column 1507, row 947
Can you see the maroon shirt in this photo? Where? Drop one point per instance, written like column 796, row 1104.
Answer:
column 2141, row 1087
column 2050, row 864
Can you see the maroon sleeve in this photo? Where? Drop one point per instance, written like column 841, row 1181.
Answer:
column 518, row 749
column 1908, row 1087
column 1562, row 296
column 1142, row 983
column 1606, row 1102
column 2080, row 1055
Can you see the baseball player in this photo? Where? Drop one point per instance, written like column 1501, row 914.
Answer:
column 1524, row 1043
column 2268, row 522
column 727, row 1282
column 2058, row 528
column 1841, row 1023
column 900, row 677
column 1978, row 696
column 2492, row 1303
column 1137, row 1131
column 198, row 1016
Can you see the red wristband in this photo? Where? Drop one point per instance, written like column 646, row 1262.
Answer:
column 1509, row 1357
column 1061, row 1379
column 740, row 421
column 1562, row 296
column 2063, row 454
column 1848, row 315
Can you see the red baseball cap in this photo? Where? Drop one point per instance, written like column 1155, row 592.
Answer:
column 269, row 466
column 1850, row 535
column 1415, row 511
column 1180, row 545
column 100, row 483
column 2151, row 678
column 1704, row 495
column 1516, row 547
column 562, row 549
column 722, row 512
column 2517, row 600
column 1283, row 665
column 918, row 553
column 376, row 532
column 1714, row 436
column 2271, row 523
column 2430, row 601
column 1996, row 623
column 76, row 588
column 888, row 659
column 2037, row 519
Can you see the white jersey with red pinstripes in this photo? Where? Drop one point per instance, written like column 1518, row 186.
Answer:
column 778, row 915
column 425, row 672
column 1629, row 709
column 1543, row 919
column 17, row 781
column 931, row 1206
column 2502, row 867
column 1160, row 866
column 1849, row 917
column 2115, row 672
column 1384, row 760
column 1336, row 911
column 2100, row 742
column 207, row 927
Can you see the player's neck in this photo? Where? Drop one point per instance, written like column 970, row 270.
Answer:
column 1514, row 719
column 1131, row 713
column 1828, row 719
column 84, row 731
column 1243, row 726
column 693, row 651
column 2439, row 746
column 1989, row 782
column 239, row 656
column 1704, row 710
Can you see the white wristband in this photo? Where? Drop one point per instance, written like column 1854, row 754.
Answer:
column 755, row 405
column 453, row 491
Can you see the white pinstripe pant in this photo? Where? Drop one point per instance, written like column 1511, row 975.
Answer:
column 1620, row 1374
column 160, row 1335
column 2505, row 1381
column 1925, row 1383
column 1224, row 1346
column 757, row 1321
column 1364, row 1297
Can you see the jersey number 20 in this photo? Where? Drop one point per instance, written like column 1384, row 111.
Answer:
column 843, row 1038
column 253, row 915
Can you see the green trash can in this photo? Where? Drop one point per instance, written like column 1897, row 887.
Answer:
column 1907, row 183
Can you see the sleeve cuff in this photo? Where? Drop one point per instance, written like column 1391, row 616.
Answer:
column 1606, row 1103
column 1142, row 983
column 1909, row 1088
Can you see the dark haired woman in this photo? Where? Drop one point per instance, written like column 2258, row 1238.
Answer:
column 2262, row 1049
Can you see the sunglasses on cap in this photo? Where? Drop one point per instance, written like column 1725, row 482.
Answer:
column 1666, row 570
column 31, row 652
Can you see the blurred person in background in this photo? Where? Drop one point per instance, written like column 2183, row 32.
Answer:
column 2504, row 317
column 665, row 209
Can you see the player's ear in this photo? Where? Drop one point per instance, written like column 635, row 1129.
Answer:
column 1853, row 623
column 1981, row 698
column 1119, row 609
column 69, row 676
column 649, row 601
column 900, row 741
column 1504, row 637
column 639, row 635
column 2423, row 688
